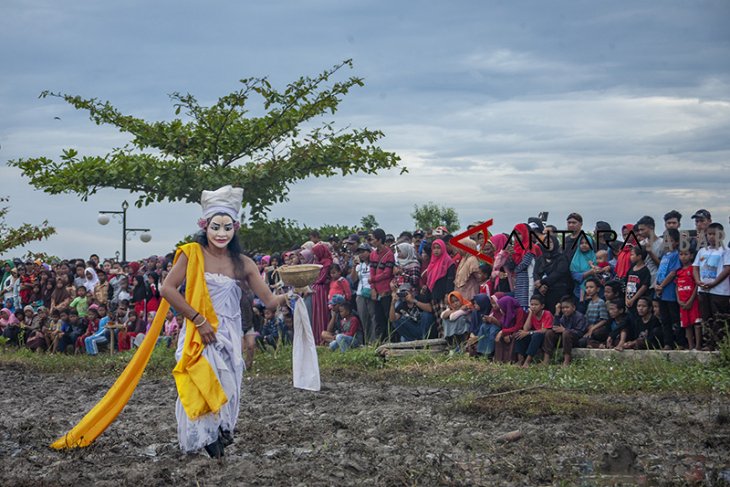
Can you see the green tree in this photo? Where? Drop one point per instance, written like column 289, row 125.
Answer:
column 368, row 222
column 220, row 144
column 430, row 216
column 11, row 238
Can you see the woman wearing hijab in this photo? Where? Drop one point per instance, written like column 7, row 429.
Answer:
column 496, row 247
column 581, row 266
column 91, row 279
column 552, row 274
column 440, row 276
column 483, row 331
column 320, row 310
column 7, row 318
column 524, row 255
column 409, row 266
column 623, row 260
column 467, row 278
column 511, row 319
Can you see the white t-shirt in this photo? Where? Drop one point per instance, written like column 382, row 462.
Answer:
column 363, row 275
column 711, row 262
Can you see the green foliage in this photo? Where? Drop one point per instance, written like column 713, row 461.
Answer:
column 430, row 216
column 369, row 223
column 220, row 144
column 11, row 238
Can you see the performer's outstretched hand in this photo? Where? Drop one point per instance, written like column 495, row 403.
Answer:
column 207, row 334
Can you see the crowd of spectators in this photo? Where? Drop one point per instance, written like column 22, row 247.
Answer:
column 505, row 297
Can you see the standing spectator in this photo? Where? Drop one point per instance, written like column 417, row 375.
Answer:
column 11, row 289
column 711, row 271
column 365, row 305
column 689, row 310
column 672, row 220
column 440, row 276
column 653, row 245
column 581, row 266
column 524, row 254
column 496, row 247
column 381, row 272
column 140, row 294
column 91, row 280
column 623, row 259
column 81, row 302
column 409, row 267
column 552, row 274
column 666, row 289
column 101, row 290
column 702, row 219
column 638, row 279
column 153, row 285
column 574, row 224
column 320, row 310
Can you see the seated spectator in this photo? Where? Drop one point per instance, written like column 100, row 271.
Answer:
column 171, row 329
column 77, row 327
column 455, row 320
column 596, row 315
column 621, row 328
column 568, row 327
column 57, row 327
column 36, row 339
column 134, row 325
column 468, row 275
column 330, row 332
column 512, row 320
column 411, row 314
column 530, row 338
column 647, row 328
column 92, row 326
column 348, row 328
column 91, row 343
column 484, row 327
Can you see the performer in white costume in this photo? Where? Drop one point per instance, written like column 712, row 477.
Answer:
column 207, row 410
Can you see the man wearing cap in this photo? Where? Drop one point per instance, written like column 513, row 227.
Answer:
column 702, row 219
column 360, row 277
column 418, row 242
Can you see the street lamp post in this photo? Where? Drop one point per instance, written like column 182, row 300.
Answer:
column 104, row 219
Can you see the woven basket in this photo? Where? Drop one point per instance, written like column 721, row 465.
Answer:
column 299, row 276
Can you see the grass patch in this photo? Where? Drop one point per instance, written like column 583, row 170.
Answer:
column 362, row 364
column 161, row 362
column 540, row 403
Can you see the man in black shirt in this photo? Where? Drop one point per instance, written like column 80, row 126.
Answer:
column 411, row 313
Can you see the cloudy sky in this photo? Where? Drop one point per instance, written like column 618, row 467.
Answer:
column 498, row 108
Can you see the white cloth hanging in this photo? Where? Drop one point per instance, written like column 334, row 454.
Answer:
column 305, row 366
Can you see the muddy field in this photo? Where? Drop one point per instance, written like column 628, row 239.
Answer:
column 364, row 434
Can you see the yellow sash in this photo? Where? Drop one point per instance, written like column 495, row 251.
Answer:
column 199, row 389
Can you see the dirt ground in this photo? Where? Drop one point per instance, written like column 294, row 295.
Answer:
column 363, row 434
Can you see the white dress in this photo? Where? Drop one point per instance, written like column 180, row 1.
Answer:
column 226, row 359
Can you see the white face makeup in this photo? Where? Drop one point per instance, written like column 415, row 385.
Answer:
column 220, row 231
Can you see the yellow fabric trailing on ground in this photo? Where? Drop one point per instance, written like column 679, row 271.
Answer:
column 198, row 387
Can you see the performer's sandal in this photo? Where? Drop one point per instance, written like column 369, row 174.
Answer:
column 215, row 449
column 225, row 437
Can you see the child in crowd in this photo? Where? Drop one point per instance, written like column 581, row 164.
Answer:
column 647, row 329
column 91, row 343
column 54, row 330
column 485, row 271
column 689, row 310
column 348, row 327
column 620, row 326
column 602, row 268
column 171, row 328
column 530, row 338
column 638, row 279
column 711, row 270
column 80, row 302
column 92, row 326
column 270, row 331
column 338, row 284
column 665, row 290
column 613, row 290
column 596, row 315
column 77, row 327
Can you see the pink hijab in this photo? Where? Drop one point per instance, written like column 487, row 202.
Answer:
column 438, row 266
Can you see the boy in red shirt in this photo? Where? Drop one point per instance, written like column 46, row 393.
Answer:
column 530, row 338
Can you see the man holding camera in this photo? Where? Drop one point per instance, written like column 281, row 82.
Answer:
column 411, row 313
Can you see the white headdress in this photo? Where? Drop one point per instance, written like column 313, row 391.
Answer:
column 226, row 200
